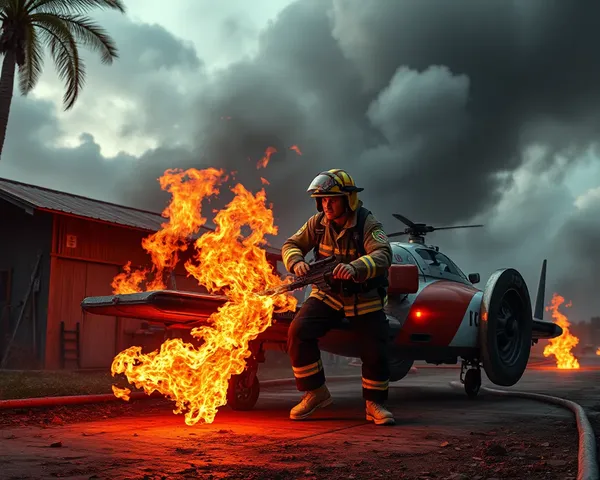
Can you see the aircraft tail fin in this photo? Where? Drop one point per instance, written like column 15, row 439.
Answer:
column 541, row 293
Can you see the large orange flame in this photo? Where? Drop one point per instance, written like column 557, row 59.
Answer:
column 188, row 189
column 228, row 261
column 561, row 346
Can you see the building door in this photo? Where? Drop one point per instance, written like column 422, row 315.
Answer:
column 98, row 332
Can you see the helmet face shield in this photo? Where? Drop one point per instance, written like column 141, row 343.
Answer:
column 334, row 183
column 324, row 184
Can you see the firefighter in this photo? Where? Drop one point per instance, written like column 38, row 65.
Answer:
column 344, row 228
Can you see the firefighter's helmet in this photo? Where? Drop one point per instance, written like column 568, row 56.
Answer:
column 334, row 183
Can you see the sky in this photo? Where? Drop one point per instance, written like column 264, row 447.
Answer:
column 446, row 112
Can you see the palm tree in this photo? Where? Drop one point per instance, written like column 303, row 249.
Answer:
column 30, row 26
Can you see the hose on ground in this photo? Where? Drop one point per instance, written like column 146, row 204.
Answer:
column 587, row 468
column 44, row 402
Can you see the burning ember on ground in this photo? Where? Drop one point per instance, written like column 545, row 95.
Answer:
column 228, row 262
column 561, row 346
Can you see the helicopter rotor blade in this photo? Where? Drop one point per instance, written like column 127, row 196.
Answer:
column 457, row 226
column 421, row 229
column 403, row 219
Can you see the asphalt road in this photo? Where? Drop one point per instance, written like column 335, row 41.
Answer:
column 439, row 434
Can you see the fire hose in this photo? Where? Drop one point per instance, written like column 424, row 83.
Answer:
column 587, row 468
column 41, row 402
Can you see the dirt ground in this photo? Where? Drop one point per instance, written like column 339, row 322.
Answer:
column 439, row 435
column 523, row 450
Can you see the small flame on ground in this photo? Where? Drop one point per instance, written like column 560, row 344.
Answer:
column 561, row 346
column 598, row 351
column 296, row 149
column 228, row 261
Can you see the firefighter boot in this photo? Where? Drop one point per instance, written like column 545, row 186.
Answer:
column 310, row 402
column 378, row 414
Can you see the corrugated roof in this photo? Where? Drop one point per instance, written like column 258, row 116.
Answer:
column 31, row 197
column 35, row 197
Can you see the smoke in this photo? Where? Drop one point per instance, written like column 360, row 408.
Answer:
column 418, row 100
column 578, row 245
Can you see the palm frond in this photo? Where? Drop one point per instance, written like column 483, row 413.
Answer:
column 10, row 8
column 86, row 32
column 73, row 6
column 4, row 5
column 63, row 48
column 15, row 5
column 31, row 70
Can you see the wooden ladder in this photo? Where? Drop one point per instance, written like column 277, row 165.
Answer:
column 69, row 345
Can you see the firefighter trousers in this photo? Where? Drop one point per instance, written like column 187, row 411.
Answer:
column 313, row 321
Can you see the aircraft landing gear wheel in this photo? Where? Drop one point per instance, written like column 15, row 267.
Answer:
column 505, row 329
column 472, row 382
column 243, row 391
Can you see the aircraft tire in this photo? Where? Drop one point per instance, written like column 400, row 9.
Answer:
column 505, row 329
column 239, row 396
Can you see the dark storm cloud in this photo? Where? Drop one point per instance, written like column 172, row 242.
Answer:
column 299, row 90
column 578, row 250
column 285, row 96
column 146, row 47
column 421, row 101
column 525, row 85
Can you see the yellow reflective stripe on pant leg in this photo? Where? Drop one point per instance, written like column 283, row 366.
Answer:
column 375, row 384
column 307, row 370
column 308, row 373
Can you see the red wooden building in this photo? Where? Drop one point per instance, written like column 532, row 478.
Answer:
column 55, row 250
